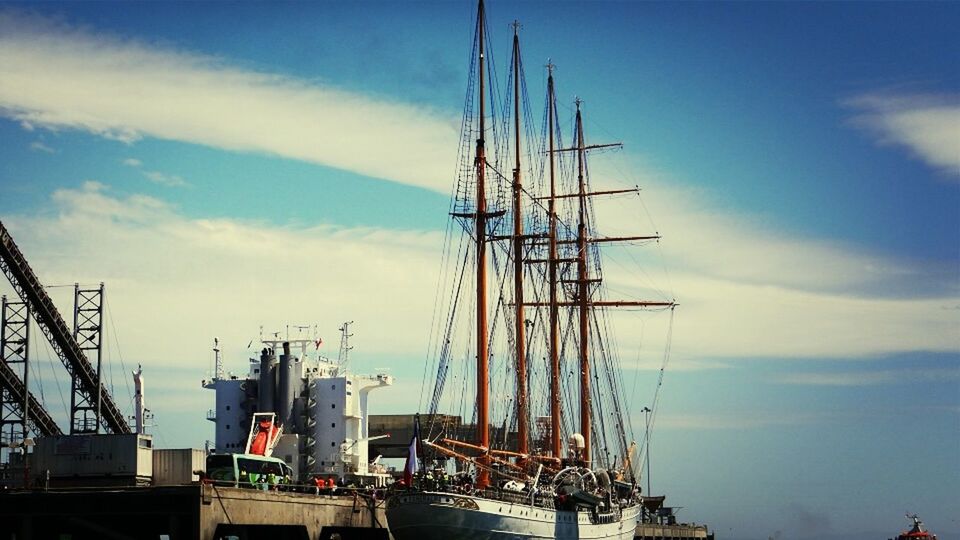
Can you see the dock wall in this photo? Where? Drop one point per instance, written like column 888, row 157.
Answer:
column 193, row 512
column 652, row 531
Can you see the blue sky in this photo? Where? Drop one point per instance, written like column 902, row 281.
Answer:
column 224, row 166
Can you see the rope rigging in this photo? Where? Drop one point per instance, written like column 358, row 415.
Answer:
column 452, row 360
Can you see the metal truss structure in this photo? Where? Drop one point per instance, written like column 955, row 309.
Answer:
column 92, row 406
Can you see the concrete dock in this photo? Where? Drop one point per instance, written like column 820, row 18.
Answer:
column 209, row 512
column 653, row 531
column 200, row 511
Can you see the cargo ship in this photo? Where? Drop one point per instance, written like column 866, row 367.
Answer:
column 314, row 405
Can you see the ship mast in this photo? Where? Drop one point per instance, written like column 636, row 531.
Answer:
column 582, row 294
column 552, row 264
column 483, row 421
column 521, row 348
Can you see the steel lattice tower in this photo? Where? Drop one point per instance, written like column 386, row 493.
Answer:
column 14, row 353
column 88, row 332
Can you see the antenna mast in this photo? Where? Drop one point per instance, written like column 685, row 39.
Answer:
column 343, row 356
column 218, row 372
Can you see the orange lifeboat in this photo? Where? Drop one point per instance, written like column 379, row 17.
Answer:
column 267, row 432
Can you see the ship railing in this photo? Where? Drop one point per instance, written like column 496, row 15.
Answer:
column 303, row 488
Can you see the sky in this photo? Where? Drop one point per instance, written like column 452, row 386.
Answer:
column 223, row 167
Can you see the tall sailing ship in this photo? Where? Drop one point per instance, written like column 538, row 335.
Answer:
column 527, row 329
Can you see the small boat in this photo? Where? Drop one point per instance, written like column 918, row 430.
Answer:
column 917, row 531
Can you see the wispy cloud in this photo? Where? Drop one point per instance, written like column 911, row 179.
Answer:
column 156, row 177
column 758, row 418
column 158, row 257
column 745, row 290
column 60, row 77
column 928, row 125
column 868, row 377
column 751, row 291
column 740, row 247
column 38, row 146
column 171, row 180
column 743, row 420
column 197, row 278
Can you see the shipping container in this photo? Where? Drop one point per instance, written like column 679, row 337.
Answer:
column 75, row 459
column 176, row 466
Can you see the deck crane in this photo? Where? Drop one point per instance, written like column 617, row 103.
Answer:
column 88, row 391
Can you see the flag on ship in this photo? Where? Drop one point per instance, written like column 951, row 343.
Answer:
column 411, row 466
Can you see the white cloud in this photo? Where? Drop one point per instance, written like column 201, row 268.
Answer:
column 721, row 320
column 713, row 242
column 57, row 76
column 199, row 277
column 744, row 420
column 869, row 378
column 757, row 418
column 171, row 180
column 747, row 290
column 167, row 275
column 929, row 125
column 93, row 186
column 735, row 319
column 157, row 177
column 38, row 146
column 173, row 283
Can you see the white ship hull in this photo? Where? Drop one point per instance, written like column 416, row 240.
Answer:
column 448, row 516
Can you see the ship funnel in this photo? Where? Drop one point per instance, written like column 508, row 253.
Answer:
column 286, row 380
column 268, row 381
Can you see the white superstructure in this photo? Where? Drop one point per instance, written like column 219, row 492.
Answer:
column 322, row 408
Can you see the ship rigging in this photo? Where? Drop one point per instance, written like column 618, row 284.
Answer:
column 527, row 325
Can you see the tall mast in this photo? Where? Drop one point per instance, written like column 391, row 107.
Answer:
column 521, row 350
column 552, row 264
column 583, row 291
column 483, row 421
